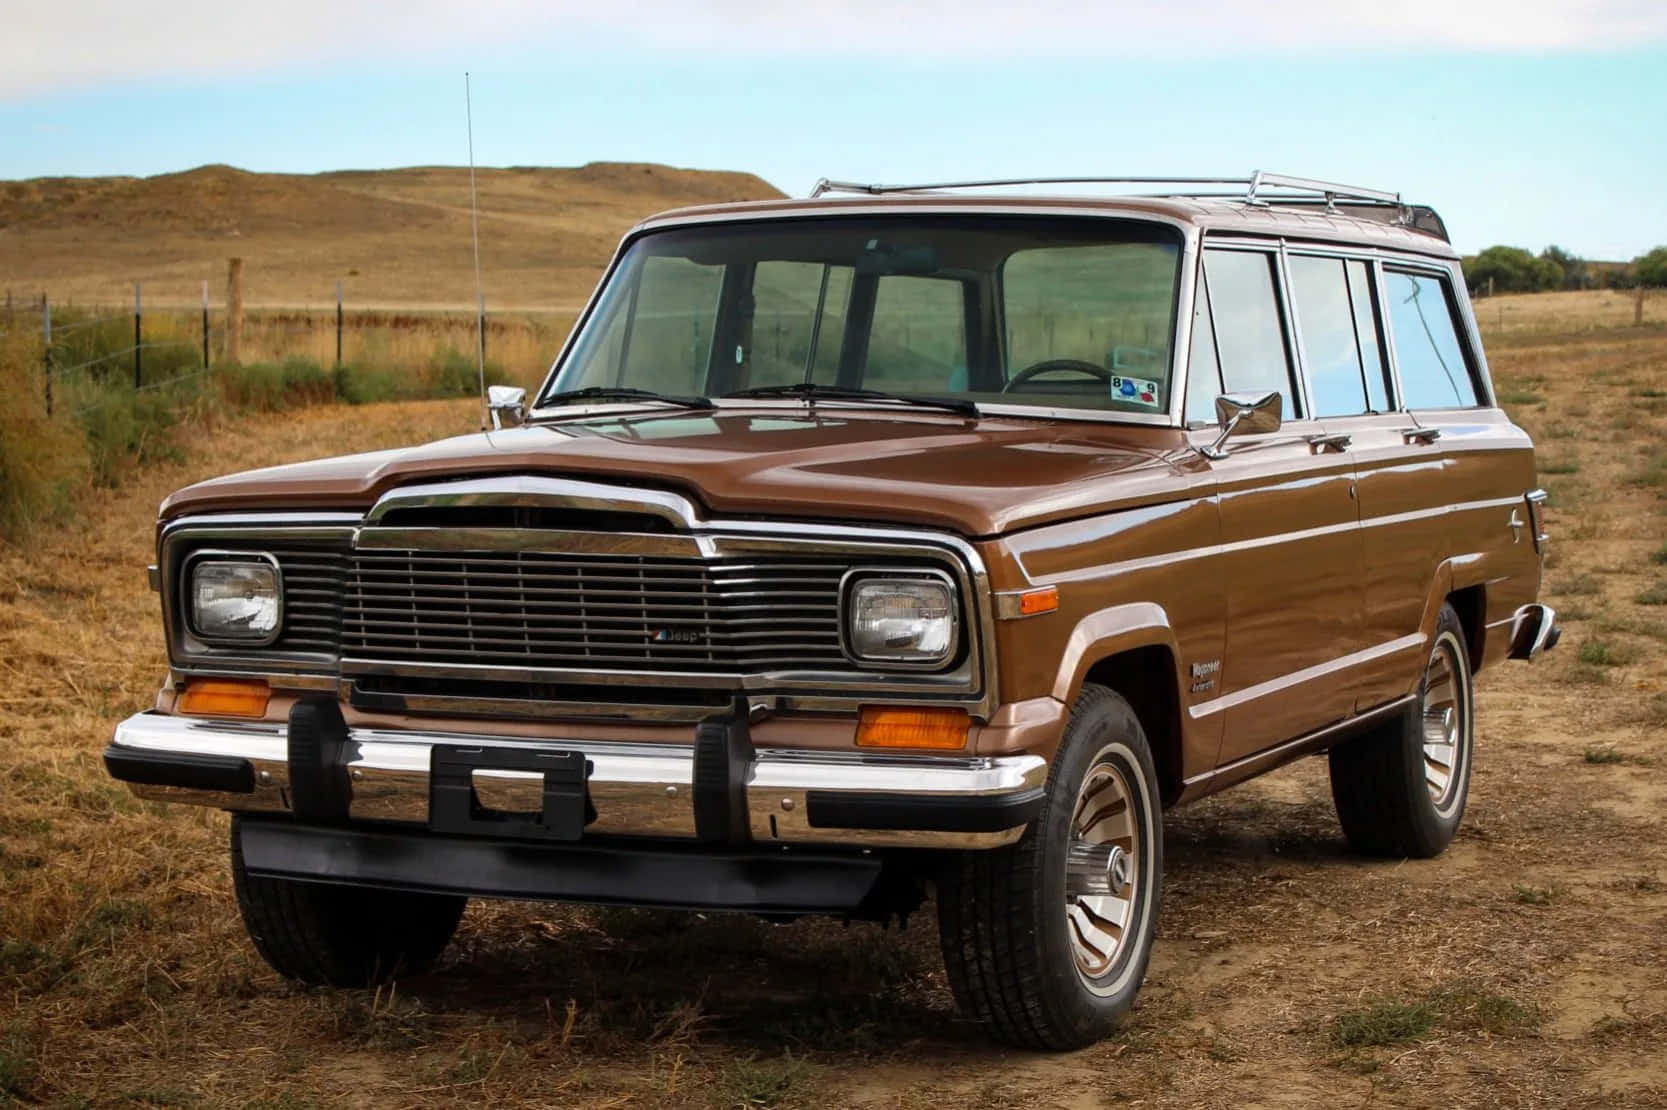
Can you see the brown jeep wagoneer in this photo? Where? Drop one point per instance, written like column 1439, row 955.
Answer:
column 932, row 537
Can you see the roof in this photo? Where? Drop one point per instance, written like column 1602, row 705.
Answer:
column 1346, row 224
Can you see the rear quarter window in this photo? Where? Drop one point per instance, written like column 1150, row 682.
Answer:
column 1435, row 374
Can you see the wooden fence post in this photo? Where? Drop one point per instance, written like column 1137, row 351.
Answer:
column 205, row 323
column 234, row 312
column 338, row 322
column 138, row 338
column 46, row 349
column 1638, row 307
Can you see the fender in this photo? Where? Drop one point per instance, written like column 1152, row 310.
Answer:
column 1104, row 633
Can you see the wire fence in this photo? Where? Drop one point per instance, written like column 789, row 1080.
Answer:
column 150, row 348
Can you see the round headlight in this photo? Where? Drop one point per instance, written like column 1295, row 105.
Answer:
column 901, row 620
column 235, row 599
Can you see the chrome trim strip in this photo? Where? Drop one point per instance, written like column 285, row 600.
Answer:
column 638, row 789
column 1306, row 674
column 525, row 490
column 528, row 540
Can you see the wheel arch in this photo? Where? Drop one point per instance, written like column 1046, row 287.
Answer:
column 1471, row 604
column 1132, row 650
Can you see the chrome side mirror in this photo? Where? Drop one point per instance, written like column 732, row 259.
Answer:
column 508, row 405
column 1244, row 414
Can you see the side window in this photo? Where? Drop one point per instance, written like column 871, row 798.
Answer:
column 1434, row 374
column 1250, row 339
column 1330, row 345
column 1203, row 371
column 786, row 297
column 918, row 340
column 1368, row 330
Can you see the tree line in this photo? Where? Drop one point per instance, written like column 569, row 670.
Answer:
column 1503, row 269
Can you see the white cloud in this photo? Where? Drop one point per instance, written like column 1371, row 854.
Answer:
column 81, row 43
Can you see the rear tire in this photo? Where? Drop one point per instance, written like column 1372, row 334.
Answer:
column 1401, row 788
column 341, row 936
column 1032, row 947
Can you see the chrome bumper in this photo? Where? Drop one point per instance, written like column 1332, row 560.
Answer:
column 645, row 790
column 1533, row 630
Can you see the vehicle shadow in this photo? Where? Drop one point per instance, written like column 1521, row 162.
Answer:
column 613, row 980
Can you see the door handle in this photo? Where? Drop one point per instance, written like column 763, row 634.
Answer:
column 1420, row 435
column 1337, row 441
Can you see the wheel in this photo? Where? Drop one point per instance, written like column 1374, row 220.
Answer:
column 1046, row 940
column 1048, row 366
column 341, row 936
column 1400, row 789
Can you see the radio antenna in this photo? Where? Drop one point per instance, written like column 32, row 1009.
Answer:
column 474, row 226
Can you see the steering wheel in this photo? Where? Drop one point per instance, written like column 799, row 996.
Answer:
column 1080, row 366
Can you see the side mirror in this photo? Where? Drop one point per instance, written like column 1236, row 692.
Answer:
column 1244, row 414
column 508, row 405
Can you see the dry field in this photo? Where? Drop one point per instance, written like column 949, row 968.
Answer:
column 392, row 237
column 1527, row 967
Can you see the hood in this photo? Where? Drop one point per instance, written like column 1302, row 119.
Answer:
column 916, row 467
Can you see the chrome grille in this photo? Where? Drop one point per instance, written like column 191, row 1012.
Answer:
column 314, row 579
column 595, row 612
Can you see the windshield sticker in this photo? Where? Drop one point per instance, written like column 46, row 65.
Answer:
column 1136, row 391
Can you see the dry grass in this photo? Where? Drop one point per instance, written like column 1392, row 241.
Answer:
column 1523, row 968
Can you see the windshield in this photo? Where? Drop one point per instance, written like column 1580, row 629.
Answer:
column 995, row 310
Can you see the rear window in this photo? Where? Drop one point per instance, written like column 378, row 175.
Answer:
column 1434, row 372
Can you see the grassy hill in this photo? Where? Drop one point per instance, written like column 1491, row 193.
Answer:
column 395, row 237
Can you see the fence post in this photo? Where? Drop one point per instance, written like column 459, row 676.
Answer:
column 138, row 340
column 46, row 347
column 234, row 311
column 338, row 322
column 205, row 323
column 1638, row 307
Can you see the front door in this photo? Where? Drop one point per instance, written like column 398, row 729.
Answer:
column 1291, row 551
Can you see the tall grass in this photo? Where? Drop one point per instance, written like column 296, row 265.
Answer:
column 101, row 426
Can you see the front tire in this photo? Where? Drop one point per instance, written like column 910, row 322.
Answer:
column 1401, row 788
column 1046, row 941
column 341, row 936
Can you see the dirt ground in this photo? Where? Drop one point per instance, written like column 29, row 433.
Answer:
column 1526, row 967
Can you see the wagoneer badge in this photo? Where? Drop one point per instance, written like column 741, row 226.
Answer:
column 1203, row 675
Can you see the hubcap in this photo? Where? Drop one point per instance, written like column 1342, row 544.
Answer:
column 1102, row 870
column 1444, row 713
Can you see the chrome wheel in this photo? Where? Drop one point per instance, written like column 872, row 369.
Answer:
column 1102, row 871
column 1446, row 722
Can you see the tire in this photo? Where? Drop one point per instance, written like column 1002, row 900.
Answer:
column 1394, row 796
column 1017, row 954
column 341, row 936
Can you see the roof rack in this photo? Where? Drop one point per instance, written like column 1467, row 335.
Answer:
column 1260, row 188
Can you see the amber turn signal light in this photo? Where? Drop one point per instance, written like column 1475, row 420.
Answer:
column 225, row 697
column 1044, row 600
column 881, row 727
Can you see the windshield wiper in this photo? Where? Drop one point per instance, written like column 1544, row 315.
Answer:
column 812, row 392
column 624, row 393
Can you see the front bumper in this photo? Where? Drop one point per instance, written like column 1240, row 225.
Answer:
column 635, row 789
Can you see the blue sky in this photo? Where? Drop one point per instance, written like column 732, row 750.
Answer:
column 1535, row 122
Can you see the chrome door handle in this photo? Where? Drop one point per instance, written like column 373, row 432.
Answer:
column 1420, row 435
column 1338, row 441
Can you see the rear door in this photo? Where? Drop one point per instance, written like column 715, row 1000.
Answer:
column 1291, row 553
column 1409, row 480
column 1397, row 479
